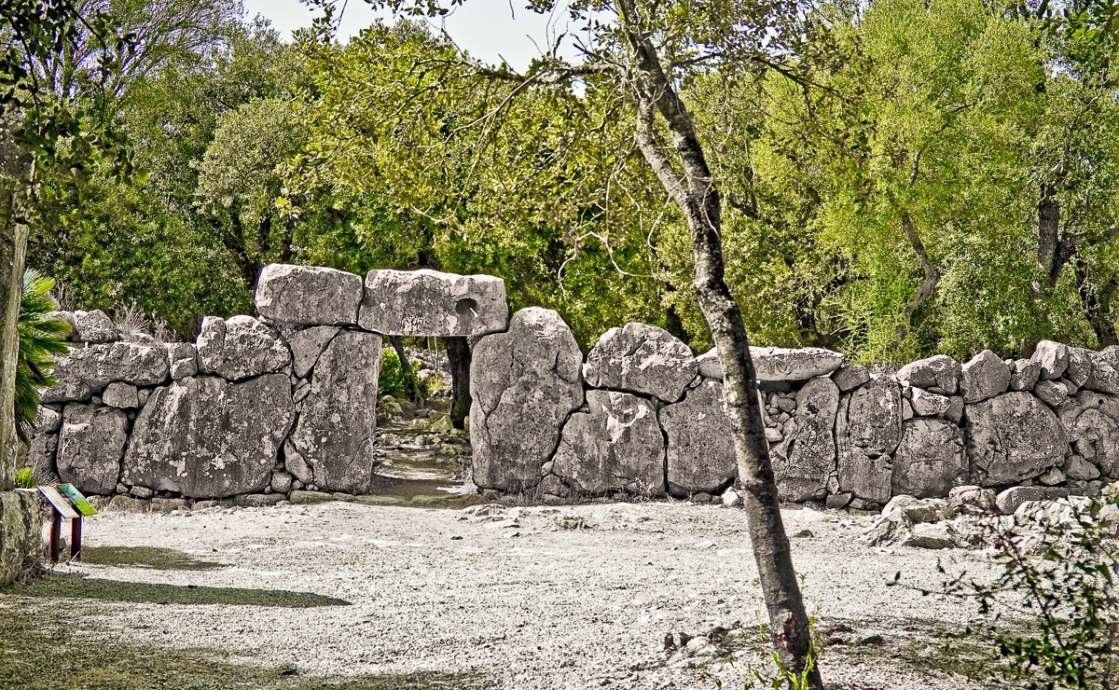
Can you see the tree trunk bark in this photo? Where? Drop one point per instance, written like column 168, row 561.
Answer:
column 398, row 345
column 458, row 352
column 925, row 289
column 13, row 258
column 696, row 194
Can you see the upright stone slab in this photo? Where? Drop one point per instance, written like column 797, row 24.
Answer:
column 930, row 459
column 205, row 437
column 432, row 303
column 615, row 446
column 800, row 364
column 308, row 295
column 805, row 458
column 983, row 377
column 1053, row 358
column 1105, row 371
column 307, row 345
column 642, row 359
column 1092, row 422
column 239, row 348
column 524, row 383
column 700, row 451
column 1011, row 438
column 868, row 430
column 90, row 447
column 335, row 430
column 1079, row 366
column 183, row 358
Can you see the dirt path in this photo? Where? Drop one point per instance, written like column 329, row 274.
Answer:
column 571, row 597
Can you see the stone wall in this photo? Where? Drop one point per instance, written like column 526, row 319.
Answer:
column 260, row 406
column 257, row 406
column 21, row 533
column 646, row 416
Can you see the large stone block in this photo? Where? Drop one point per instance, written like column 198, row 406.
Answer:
column 984, row 376
column 1079, row 366
column 1053, row 357
column 1105, row 371
column 615, row 446
column 21, row 533
column 88, row 370
column 335, row 430
column 90, row 447
column 1092, row 422
column 642, row 359
column 205, row 437
column 239, row 348
column 1013, row 437
column 805, row 458
column 432, row 303
column 700, row 450
column 308, row 295
column 183, row 358
column 801, row 364
column 868, row 429
column 307, row 345
column 940, row 373
column 930, row 459
column 524, row 383
column 93, row 327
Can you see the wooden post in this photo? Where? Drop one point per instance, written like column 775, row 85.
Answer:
column 76, row 539
column 56, row 533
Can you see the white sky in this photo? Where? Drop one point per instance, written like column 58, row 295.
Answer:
column 488, row 29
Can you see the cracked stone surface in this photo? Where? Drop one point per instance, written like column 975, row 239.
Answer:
column 868, row 429
column 306, row 346
column 240, row 347
column 433, row 303
column 800, row 364
column 700, row 451
column 90, row 446
column 89, row 370
column 939, row 373
column 1013, row 437
column 641, row 359
column 930, row 460
column 524, row 384
column 615, row 446
column 806, row 457
column 308, row 295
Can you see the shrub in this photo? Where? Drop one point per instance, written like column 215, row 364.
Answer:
column 23, row 479
column 395, row 382
column 1059, row 567
column 39, row 338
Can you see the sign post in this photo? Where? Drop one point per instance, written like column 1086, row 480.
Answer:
column 67, row 503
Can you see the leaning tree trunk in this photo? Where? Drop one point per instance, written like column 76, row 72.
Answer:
column 13, row 257
column 405, row 364
column 458, row 352
column 697, row 196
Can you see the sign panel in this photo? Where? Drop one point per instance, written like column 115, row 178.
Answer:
column 84, row 507
column 62, row 505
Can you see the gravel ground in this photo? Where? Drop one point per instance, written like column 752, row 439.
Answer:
column 571, row 597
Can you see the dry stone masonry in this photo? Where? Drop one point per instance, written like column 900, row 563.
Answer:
column 261, row 406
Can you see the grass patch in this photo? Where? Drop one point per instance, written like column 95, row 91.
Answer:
column 37, row 654
column 154, row 557
column 60, row 586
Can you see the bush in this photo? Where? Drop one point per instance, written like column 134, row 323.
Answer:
column 23, row 479
column 394, row 380
column 1060, row 566
column 39, row 338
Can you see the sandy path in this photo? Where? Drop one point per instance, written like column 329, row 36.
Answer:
column 549, row 608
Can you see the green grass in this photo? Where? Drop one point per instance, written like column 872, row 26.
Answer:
column 145, row 557
column 77, row 587
column 40, row 652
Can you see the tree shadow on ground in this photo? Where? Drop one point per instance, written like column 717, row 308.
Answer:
column 40, row 652
column 57, row 586
column 154, row 557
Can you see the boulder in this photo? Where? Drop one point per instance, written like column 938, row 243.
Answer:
column 120, row 395
column 87, row 371
column 931, row 536
column 240, row 348
column 1079, row 366
column 296, row 465
column 183, row 358
column 93, row 327
column 940, row 373
column 1092, row 422
column 955, row 411
column 90, row 447
column 1053, row 357
column 642, row 359
column 306, row 346
column 918, row 510
column 867, row 431
column 983, row 377
column 710, row 366
column 805, row 459
column 308, row 295
column 431, row 303
column 1105, row 371
column 524, row 384
column 926, row 404
column 66, row 318
column 971, row 499
column 849, row 377
column 335, row 430
column 700, row 449
column 1013, row 437
column 1024, row 374
column 930, row 459
column 801, row 364
column 1079, row 469
column 205, row 437
column 1053, row 393
column 1009, row 500
column 615, row 446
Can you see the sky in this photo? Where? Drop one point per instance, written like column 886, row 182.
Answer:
column 490, row 30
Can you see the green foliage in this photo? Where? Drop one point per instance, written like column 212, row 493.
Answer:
column 394, row 379
column 39, row 339
column 1060, row 571
column 23, row 479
